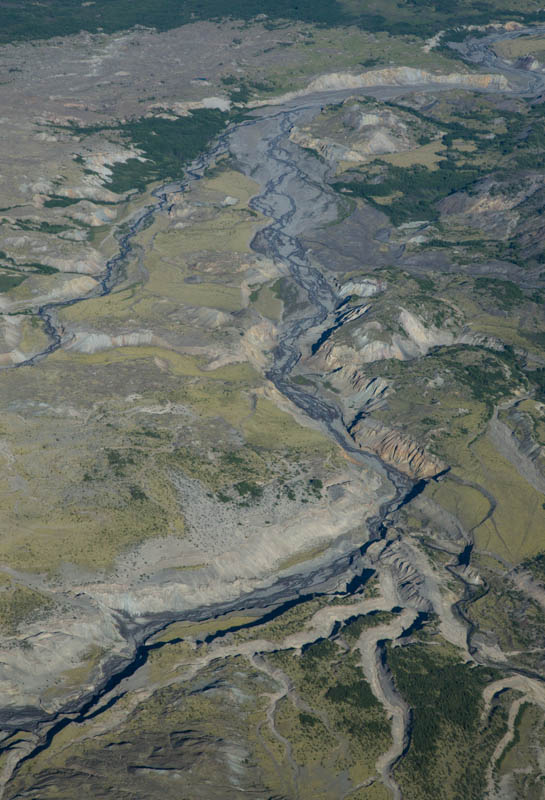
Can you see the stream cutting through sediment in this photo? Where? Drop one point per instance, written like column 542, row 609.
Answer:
column 294, row 200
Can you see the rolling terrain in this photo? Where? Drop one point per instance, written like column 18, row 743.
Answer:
column 273, row 398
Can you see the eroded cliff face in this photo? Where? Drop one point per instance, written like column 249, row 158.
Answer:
column 358, row 130
column 365, row 134
column 394, row 76
column 499, row 208
column 397, row 449
column 403, row 76
column 410, row 338
column 359, row 393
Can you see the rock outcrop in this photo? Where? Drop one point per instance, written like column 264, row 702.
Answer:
column 354, row 133
column 527, row 63
column 406, row 76
column 88, row 342
column 493, row 207
column 393, row 76
column 396, row 449
column 412, row 586
column 364, row 287
column 378, row 142
column 372, row 343
column 357, row 392
column 91, row 214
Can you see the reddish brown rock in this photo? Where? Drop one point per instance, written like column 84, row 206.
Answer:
column 396, row 449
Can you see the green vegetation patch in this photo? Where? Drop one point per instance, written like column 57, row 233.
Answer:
column 520, row 759
column 219, row 470
column 8, row 282
column 480, row 139
column 537, row 377
column 468, row 375
column 293, row 620
column 506, row 293
column 26, row 20
column 450, row 746
column 331, row 683
column 536, row 566
column 167, row 145
column 420, row 188
column 355, row 627
column 57, row 201
column 487, row 379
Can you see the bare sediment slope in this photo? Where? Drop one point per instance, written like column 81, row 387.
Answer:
column 395, row 76
column 397, row 450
